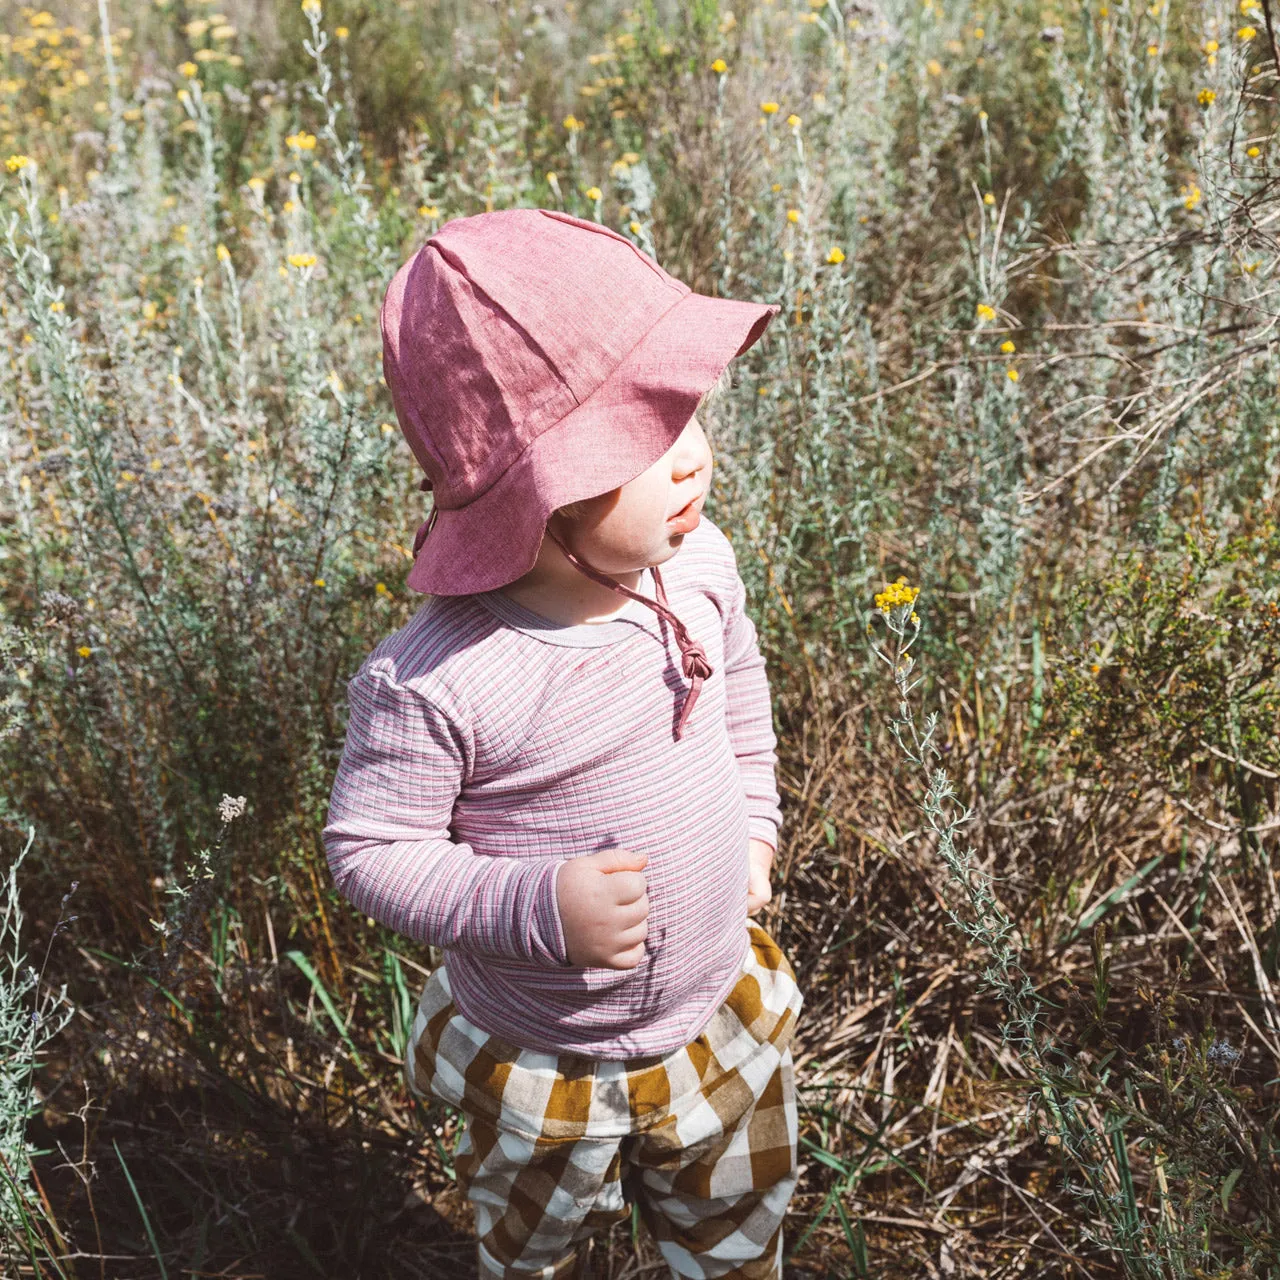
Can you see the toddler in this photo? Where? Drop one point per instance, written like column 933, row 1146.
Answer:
column 560, row 771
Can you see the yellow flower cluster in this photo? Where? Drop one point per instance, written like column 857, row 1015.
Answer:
column 986, row 312
column 720, row 66
column 897, row 595
column 1205, row 97
column 836, row 256
column 769, row 108
column 301, row 141
column 15, row 162
column 301, row 260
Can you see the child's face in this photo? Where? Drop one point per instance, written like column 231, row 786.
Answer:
column 626, row 529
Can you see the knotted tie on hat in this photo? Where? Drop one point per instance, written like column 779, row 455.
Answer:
column 694, row 659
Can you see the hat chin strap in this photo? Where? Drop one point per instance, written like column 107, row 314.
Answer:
column 693, row 656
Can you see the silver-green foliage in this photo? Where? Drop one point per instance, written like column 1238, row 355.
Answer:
column 31, row 1014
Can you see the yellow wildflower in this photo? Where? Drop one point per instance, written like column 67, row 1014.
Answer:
column 1152, row 50
column 1247, row 33
column 42, row 19
column 84, row 651
column 594, row 193
column 1013, row 374
column 978, row 33
column 1008, row 346
column 256, row 184
column 985, row 312
column 836, row 256
column 793, row 215
column 572, row 123
column 57, row 306
column 933, row 67
column 289, row 206
column 319, row 581
column 381, row 589
column 1192, row 194
column 428, row 211
column 1211, row 46
column 16, row 162
column 769, row 108
column 224, row 254
column 301, row 260
column 1254, row 152
column 793, row 120
column 301, row 141
column 188, row 69
column 223, row 31
column 720, row 66
column 1205, row 97
column 635, row 228
column 310, row 6
column 896, row 595
column 295, row 176
column 127, row 475
column 341, row 32
column 988, row 198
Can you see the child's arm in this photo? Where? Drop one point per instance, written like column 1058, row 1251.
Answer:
column 749, row 715
column 387, row 834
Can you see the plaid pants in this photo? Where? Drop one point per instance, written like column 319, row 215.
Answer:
column 702, row 1139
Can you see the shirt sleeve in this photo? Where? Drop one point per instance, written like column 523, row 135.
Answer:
column 387, row 840
column 749, row 713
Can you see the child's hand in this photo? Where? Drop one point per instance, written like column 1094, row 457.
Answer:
column 760, row 860
column 604, row 908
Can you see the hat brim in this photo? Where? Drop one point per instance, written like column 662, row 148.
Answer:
column 620, row 431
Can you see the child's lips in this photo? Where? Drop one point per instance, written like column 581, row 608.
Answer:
column 695, row 501
column 686, row 519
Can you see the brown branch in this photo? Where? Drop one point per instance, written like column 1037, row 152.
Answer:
column 1271, row 34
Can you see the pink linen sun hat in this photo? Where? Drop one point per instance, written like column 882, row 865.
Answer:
column 535, row 359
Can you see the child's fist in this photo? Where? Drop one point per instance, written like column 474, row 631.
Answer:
column 759, row 862
column 604, row 908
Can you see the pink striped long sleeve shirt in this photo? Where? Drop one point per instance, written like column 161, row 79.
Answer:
column 486, row 745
